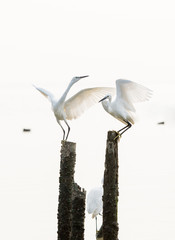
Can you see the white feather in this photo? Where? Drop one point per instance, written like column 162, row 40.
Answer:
column 122, row 106
column 94, row 201
column 83, row 100
column 77, row 104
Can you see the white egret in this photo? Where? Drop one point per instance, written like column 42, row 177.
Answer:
column 122, row 108
column 77, row 104
column 95, row 202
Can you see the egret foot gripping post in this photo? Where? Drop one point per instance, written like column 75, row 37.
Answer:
column 122, row 130
column 118, row 136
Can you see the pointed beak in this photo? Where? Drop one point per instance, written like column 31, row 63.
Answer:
column 104, row 98
column 84, row 76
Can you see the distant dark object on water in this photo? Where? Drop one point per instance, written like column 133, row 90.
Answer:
column 161, row 123
column 26, row 129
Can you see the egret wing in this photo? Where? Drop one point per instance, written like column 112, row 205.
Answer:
column 130, row 92
column 46, row 93
column 84, row 99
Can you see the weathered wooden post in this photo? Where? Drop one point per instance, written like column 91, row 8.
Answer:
column 111, row 192
column 78, row 213
column 66, row 181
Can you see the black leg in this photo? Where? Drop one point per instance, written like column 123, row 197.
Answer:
column 125, row 128
column 68, row 130
column 96, row 224
column 63, row 133
column 62, row 129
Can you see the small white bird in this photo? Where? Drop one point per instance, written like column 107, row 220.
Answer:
column 122, row 108
column 95, row 202
column 77, row 104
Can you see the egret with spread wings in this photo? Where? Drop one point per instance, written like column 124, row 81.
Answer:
column 122, row 106
column 73, row 107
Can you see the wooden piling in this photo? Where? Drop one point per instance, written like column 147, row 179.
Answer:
column 66, row 181
column 111, row 192
column 78, row 213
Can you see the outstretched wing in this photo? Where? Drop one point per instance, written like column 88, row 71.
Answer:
column 46, row 93
column 130, row 92
column 84, row 99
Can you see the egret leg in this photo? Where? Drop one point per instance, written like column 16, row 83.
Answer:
column 125, row 128
column 62, row 129
column 68, row 129
column 96, row 224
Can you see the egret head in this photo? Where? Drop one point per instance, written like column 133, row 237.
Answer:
column 107, row 97
column 76, row 79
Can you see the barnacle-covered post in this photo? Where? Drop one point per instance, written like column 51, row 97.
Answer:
column 78, row 213
column 110, row 197
column 66, row 180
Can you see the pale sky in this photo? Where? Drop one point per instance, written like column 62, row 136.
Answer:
column 46, row 43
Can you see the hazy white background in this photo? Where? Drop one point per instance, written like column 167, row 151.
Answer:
column 48, row 42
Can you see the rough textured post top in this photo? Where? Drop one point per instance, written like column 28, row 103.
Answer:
column 68, row 147
column 78, row 191
column 113, row 135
